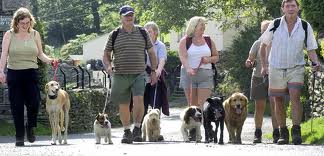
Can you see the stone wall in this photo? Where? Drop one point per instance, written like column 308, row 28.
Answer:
column 316, row 96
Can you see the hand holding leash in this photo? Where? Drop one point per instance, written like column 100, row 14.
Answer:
column 315, row 67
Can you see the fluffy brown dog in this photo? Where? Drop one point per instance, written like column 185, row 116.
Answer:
column 57, row 107
column 236, row 112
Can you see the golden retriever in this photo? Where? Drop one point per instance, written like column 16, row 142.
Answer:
column 57, row 107
column 236, row 111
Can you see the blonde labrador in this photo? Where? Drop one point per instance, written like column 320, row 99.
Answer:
column 236, row 111
column 57, row 107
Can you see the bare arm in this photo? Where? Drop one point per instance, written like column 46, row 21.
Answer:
column 214, row 55
column 250, row 60
column 5, row 50
column 4, row 55
column 151, row 54
column 264, row 60
column 313, row 57
column 43, row 57
column 107, row 61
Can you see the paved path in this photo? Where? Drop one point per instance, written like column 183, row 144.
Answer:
column 84, row 144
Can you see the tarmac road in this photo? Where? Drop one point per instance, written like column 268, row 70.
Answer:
column 84, row 144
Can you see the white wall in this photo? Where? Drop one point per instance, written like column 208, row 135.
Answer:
column 221, row 39
column 93, row 49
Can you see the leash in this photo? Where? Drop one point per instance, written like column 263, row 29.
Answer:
column 313, row 98
column 107, row 95
column 190, row 81
column 55, row 65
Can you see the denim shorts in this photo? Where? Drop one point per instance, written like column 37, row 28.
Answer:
column 202, row 79
column 125, row 84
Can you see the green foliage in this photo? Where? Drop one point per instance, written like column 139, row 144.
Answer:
column 172, row 61
column 237, row 76
column 317, row 135
column 74, row 47
column 322, row 49
column 42, row 67
column 313, row 12
column 8, row 129
column 310, row 137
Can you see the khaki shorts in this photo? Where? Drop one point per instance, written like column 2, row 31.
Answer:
column 259, row 89
column 280, row 80
column 124, row 84
column 202, row 79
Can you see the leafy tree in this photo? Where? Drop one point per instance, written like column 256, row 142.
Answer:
column 313, row 12
column 74, row 47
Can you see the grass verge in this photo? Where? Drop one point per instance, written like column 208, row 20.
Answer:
column 316, row 136
column 8, row 129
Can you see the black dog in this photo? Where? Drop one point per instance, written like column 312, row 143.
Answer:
column 213, row 111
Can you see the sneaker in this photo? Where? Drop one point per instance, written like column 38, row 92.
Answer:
column 30, row 134
column 127, row 137
column 192, row 134
column 296, row 135
column 137, row 134
column 20, row 142
column 257, row 136
column 275, row 135
column 284, row 136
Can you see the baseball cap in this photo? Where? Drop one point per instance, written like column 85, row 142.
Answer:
column 126, row 9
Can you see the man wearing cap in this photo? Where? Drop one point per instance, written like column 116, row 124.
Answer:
column 128, row 52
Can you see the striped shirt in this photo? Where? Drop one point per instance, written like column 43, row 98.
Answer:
column 129, row 51
column 287, row 50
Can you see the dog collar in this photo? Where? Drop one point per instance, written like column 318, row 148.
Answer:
column 52, row 96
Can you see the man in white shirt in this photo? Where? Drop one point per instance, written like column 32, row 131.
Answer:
column 285, row 65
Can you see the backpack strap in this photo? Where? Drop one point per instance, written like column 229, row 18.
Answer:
column 276, row 24
column 114, row 36
column 144, row 34
column 188, row 42
column 305, row 25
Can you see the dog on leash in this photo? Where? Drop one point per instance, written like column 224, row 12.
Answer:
column 213, row 111
column 236, row 112
column 191, row 118
column 57, row 107
column 102, row 128
column 151, row 125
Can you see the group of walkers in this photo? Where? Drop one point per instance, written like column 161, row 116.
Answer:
column 135, row 58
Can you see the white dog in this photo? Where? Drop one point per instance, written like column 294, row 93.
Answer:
column 102, row 128
column 151, row 125
column 191, row 119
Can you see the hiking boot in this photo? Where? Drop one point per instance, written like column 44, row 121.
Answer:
column 20, row 142
column 30, row 134
column 257, row 136
column 137, row 134
column 127, row 137
column 160, row 138
column 192, row 134
column 284, row 136
column 296, row 135
column 275, row 135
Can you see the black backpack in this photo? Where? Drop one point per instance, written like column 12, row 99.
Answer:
column 208, row 41
column 277, row 23
column 141, row 29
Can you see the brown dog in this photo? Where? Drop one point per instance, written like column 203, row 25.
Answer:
column 236, row 112
column 57, row 107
